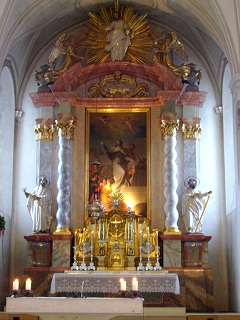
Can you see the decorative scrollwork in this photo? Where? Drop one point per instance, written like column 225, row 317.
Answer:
column 118, row 85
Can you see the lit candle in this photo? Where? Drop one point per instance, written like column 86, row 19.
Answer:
column 123, row 284
column 134, row 284
column 28, row 285
column 91, row 238
column 15, row 285
column 148, row 234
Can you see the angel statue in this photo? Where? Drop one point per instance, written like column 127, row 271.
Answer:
column 165, row 46
column 58, row 49
column 62, row 56
column 39, row 203
column 194, row 204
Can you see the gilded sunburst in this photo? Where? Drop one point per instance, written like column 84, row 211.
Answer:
column 117, row 33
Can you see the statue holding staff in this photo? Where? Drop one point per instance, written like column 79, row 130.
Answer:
column 194, row 204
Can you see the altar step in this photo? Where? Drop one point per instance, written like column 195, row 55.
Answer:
column 148, row 313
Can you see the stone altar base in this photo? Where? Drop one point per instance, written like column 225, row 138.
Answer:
column 196, row 290
column 75, row 305
column 179, row 256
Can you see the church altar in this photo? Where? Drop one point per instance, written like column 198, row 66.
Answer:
column 109, row 282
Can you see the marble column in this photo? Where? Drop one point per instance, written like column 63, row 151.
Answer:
column 66, row 127
column 191, row 133
column 191, row 101
column 169, row 126
column 44, row 130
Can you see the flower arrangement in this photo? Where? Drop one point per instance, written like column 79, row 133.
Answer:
column 2, row 225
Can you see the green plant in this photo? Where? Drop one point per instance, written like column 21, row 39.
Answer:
column 2, row 223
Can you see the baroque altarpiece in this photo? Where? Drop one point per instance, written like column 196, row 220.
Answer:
column 115, row 85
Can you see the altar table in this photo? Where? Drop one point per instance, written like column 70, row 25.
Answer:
column 109, row 282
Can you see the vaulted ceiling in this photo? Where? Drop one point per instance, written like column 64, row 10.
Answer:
column 28, row 26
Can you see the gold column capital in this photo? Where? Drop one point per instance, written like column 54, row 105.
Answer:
column 191, row 131
column 44, row 129
column 66, row 124
column 169, row 127
column 191, row 128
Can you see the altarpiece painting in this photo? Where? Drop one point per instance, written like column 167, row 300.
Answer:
column 117, row 158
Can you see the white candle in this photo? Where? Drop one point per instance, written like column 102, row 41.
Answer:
column 28, row 284
column 123, row 285
column 99, row 230
column 91, row 238
column 103, row 231
column 156, row 238
column 140, row 238
column 15, row 285
column 148, row 234
column 134, row 284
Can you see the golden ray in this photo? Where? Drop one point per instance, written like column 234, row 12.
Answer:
column 141, row 43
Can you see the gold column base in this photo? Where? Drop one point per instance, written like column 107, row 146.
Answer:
column 172, row 231
column 62, row 231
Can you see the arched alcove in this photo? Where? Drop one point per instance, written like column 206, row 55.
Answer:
column 7, row 118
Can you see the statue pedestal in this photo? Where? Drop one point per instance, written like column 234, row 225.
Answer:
column 46, row 252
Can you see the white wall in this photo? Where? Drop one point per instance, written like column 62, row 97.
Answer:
column 7, row 117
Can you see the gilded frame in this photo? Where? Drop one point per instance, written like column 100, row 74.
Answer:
column 132, row 126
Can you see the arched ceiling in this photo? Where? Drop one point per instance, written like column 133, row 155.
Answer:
column 29, row 25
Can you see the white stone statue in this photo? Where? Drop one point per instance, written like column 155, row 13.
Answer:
column 193, row 206
column 39, row 205
column 118, row 38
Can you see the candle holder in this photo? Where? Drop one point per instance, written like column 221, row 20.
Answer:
column 85, row 248
column 140, row 265
column 149, row 265
column 83, row 264
column 74, row 265
column 135, row 294
column 123, row 294
column 157, row 265
column 15, row 294
column 28, row 293
column 91, row 265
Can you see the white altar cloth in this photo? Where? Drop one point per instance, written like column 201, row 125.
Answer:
column 109, row 282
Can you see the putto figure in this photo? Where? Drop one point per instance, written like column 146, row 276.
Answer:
column 39, row 205
column 193, row 206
